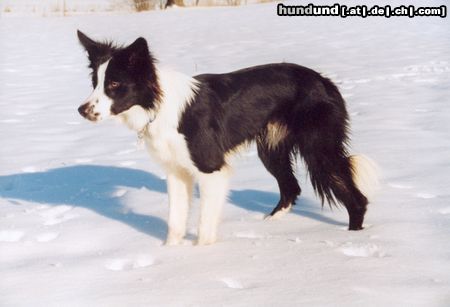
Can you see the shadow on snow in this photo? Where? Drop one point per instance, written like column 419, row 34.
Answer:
column 92, row 187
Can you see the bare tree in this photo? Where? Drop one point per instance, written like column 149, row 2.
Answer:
column 174, row 2
column 141, row 5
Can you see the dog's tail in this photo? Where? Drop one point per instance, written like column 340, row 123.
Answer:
column 365, row 174
column 322, row 143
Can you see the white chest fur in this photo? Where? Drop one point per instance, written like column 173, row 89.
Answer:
column 166, row 145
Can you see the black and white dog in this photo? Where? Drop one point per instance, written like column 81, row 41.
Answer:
column 193, row 125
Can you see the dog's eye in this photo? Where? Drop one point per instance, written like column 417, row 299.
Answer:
column 114, row 84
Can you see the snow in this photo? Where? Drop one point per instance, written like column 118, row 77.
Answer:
column 83, row 210
column 63, row 7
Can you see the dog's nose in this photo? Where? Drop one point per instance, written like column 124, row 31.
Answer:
column 84, row 109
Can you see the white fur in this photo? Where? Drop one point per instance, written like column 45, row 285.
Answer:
column 236, row 152
column 162, row 138
column 136, row 117
column 100, row 103
column 179, row 185
column 213, row 192
column 365, row 174
column 279, row 214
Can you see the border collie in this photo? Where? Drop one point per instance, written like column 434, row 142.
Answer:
column 193, row 125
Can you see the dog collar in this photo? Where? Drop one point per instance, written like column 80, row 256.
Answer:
column 141, row 133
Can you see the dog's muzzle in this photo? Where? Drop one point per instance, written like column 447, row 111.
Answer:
column 87, row 111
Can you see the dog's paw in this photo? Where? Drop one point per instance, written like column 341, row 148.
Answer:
column 206, row 240
column 279, row 214
column 173, row 240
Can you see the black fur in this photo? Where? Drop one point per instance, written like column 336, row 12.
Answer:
column 98, row 53
column 230, row 109
column 133, row 69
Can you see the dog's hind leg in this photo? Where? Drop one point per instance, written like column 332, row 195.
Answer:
column 213, row 192
column 278, row 162
column 179, row 184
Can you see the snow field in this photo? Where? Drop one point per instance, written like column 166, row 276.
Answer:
column 82, row 210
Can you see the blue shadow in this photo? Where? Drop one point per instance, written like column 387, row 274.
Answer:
column 88, row 186
column 92, row 187
column 264, row 202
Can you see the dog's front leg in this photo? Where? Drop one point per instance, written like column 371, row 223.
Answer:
column 179, row 186
column 213, row 193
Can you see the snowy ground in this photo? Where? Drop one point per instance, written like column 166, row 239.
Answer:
column 82, row 210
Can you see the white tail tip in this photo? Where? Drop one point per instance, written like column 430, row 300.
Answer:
column 365, row 174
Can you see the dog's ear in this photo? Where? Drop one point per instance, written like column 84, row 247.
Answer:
column 87, row 43
column 137, row 53
column 94, row 49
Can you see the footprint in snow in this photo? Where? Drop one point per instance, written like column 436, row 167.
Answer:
column 362, row 250
column 232, row 283
column 11, row 235
column 125, row 264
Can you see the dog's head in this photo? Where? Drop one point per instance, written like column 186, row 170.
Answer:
column 122, row 77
